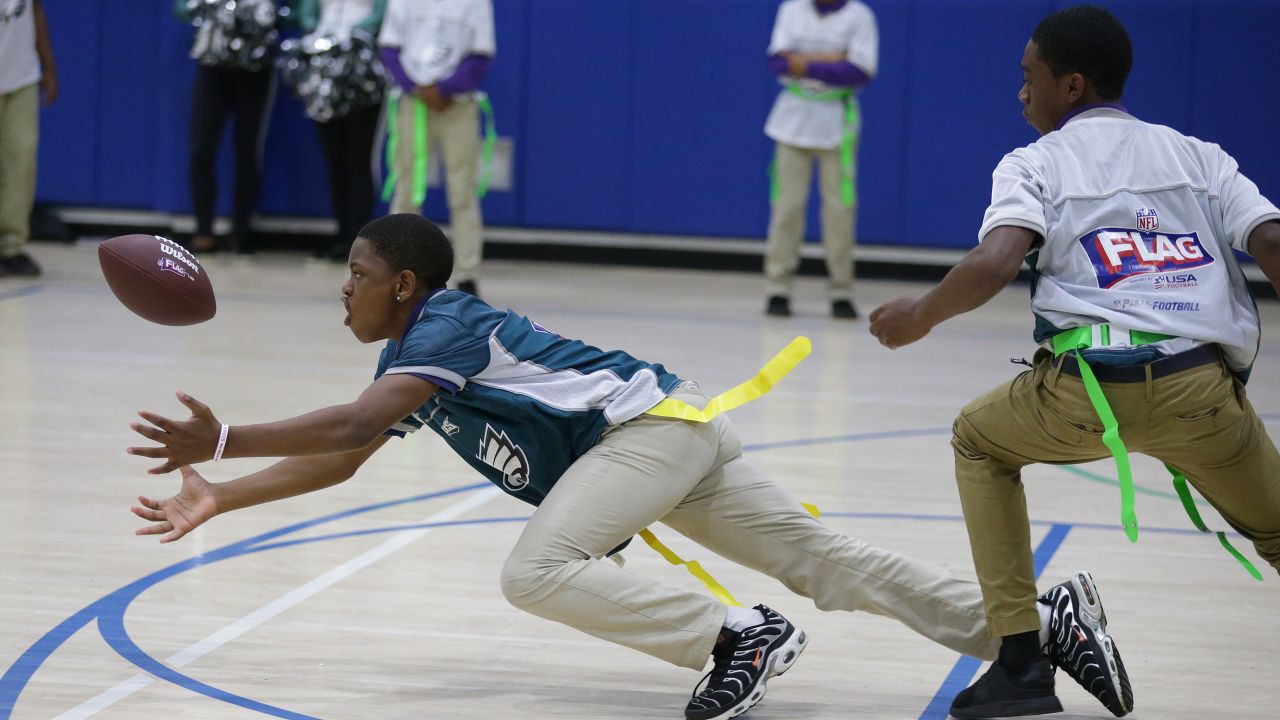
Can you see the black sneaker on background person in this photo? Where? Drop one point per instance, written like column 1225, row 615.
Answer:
column 21, row 265
column 1002, row 693
column 778, row 306
column 1079, row 644
column 468, row 287
column 844, row 310
column 743, row 662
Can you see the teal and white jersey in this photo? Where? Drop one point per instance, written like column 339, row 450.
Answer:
column 517, row 401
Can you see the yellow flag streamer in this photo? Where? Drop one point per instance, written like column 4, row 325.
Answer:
column 695, row 569
column 773, row 371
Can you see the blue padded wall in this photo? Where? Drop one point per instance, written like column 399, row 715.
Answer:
column 647, row 115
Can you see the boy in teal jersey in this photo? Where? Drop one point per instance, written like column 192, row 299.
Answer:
column 563, row 426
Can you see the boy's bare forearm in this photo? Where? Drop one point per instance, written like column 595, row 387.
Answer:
column 292, row 477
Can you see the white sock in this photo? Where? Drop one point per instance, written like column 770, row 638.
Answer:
column 1045, row 612
column 739, row 619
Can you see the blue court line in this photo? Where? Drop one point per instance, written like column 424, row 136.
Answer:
column 20, row 292
column 966, row 667
column 17, row 676
column 855, row 437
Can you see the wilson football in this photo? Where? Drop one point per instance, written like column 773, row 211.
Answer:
column 157, row 279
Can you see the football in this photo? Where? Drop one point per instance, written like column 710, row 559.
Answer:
column 158, row 279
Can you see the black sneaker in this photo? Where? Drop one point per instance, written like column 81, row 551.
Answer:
column 1079, row 644
column 743, row 662
column 778, row 306
column 469, row 287
column 1000, row 694
column 22, row 265
column 844, row 310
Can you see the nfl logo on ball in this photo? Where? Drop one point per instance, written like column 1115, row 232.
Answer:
column 1148, row 220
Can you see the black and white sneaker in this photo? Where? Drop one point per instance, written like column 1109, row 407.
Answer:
column 743, row 664
column 1079, row 644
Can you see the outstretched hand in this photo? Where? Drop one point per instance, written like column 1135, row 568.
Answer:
column 898, row 323
column 183, row 442
column 180, row 514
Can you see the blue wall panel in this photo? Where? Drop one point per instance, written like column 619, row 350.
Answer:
column 1234, row 102
column 699, row 156
column 127, row 104
column 964, row 112
column 647, row 115
column 68, row 155
column 882, row 152
column 578, row 125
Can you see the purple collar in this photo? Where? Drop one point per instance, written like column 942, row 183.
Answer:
column 416, row 315
column 827, row 9
column 1086, row 108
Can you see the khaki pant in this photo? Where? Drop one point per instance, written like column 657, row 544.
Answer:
column 793, row 168
column 19, row 132
column 693, row 478
column 1198, row 421
column 455, row 133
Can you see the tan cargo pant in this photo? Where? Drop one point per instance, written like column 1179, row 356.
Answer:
column 692, row 477
column 794, row 168
column 455, row 133
column 1198, row 421
column 19, row 132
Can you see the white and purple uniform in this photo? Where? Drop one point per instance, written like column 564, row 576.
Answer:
column 1139, row 224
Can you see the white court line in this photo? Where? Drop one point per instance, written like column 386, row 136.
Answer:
column 221, row 637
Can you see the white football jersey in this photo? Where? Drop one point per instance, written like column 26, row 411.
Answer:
column 435, row 35
column 19, row 63
column 852, row 30
column 1139, row 224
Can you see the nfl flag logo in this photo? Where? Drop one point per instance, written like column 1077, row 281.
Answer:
column 1148, row 220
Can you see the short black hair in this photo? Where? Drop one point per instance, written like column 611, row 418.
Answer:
column 411, row 242
column 1089, row 40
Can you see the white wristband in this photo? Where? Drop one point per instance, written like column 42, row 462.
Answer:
column 222, row 442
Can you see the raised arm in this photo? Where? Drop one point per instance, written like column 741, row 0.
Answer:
column 1264, row 246
column 335, row 429
column 982, row 273
column 199, row 500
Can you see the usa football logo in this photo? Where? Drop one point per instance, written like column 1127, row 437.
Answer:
column 1120, row 254
column 498, row 452
column 1148, row 219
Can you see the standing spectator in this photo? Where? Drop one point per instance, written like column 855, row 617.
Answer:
column 824, row 52
column 234, row 78
column 26, row 60
column 347, row 140
column 438, row 53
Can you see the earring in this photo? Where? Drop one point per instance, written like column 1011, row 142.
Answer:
column 397, row 298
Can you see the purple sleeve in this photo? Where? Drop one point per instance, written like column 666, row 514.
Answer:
column 467, row 77
column 391, row 60
column 841, row 74
column 439, row 381
column 778, row 65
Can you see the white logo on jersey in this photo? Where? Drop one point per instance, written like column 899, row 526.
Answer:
column 449, row 427
column 498, row 452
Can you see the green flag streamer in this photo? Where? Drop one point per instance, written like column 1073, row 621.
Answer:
column 1082, row 338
